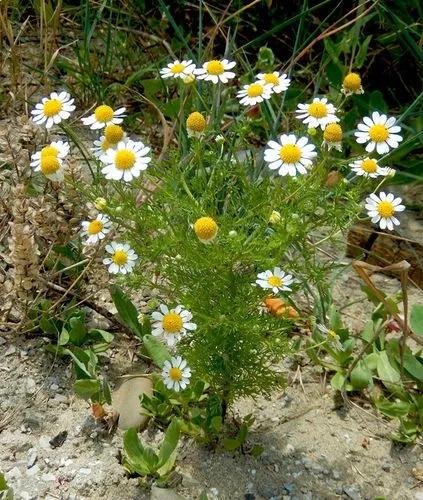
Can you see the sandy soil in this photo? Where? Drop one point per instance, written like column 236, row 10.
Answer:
column 314, row 447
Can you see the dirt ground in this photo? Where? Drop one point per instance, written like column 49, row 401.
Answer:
column 314, row 447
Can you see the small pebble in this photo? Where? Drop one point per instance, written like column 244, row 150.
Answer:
column 31, row 458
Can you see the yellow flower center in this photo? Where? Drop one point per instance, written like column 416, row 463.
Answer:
column 196, row 122
column 105, row 145
column 255, row 90
column 369, row 166
column 352, row 81
column 385, row 209
column 177, row 68
column 271, row 78
column 205, row 228
column 49, row 151
column 175, row 374
column 49, row 165
column 120, row 257
column 94, row 227
column 290, row 153
column 378, row 133
column 317, row 110
column 103, row 113
column 332, row 133
column 113, row 133
column 332, row 335
column 124, row 159
column 275, row 281
column 52, row 107
column 172, row 322
column 215, row 68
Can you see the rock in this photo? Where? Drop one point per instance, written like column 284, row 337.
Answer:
column 54, row 387
column 336, row 475
column 44, row 442
column 387, row 466
column 126, row 402
column 48, row 476
column 31, row 458
column 418, row 495
column 11, row 350
column 14, row 473
column 2, row 341
column 34, row 471
column 84, row 471
column 30, row 386
column 59, row 439
column 352, row 493
column 164, row 494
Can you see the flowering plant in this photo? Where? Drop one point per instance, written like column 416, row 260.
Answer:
column 217, row 224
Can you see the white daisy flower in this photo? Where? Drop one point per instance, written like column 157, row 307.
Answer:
column 122, row 258
column 317, row 114
column 278, row 82
column 101, row 146
column 380, row 132
column 382, row 208
column 52, row 110
column 176, row 373
column 290, row 155
column 58, row 149
column 113, row 134
column 178, row 69
column 126, row 162
column 276, row 280
column 368, row 167
column 331, row 337
column 104, row 115
column 51, row 167
column 215, row 71
column 252, row 94
column 171, row 324
column 96, row 229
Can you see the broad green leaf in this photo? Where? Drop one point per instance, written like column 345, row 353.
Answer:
column 102, row 334
column 170, row 442
column 135, row 453
column 127, row 311
column 86, row 388
column 81, row 362
column 231, row 444
column 49, row 326
column 411, row 364
column 360, row 376
column 78, row 330
column 157, row 351
column 393, row 408
column 63, row 337
column 337, row 382
column 388, row 374
column 371, row 360
column 416, row 319
column 6, row 492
